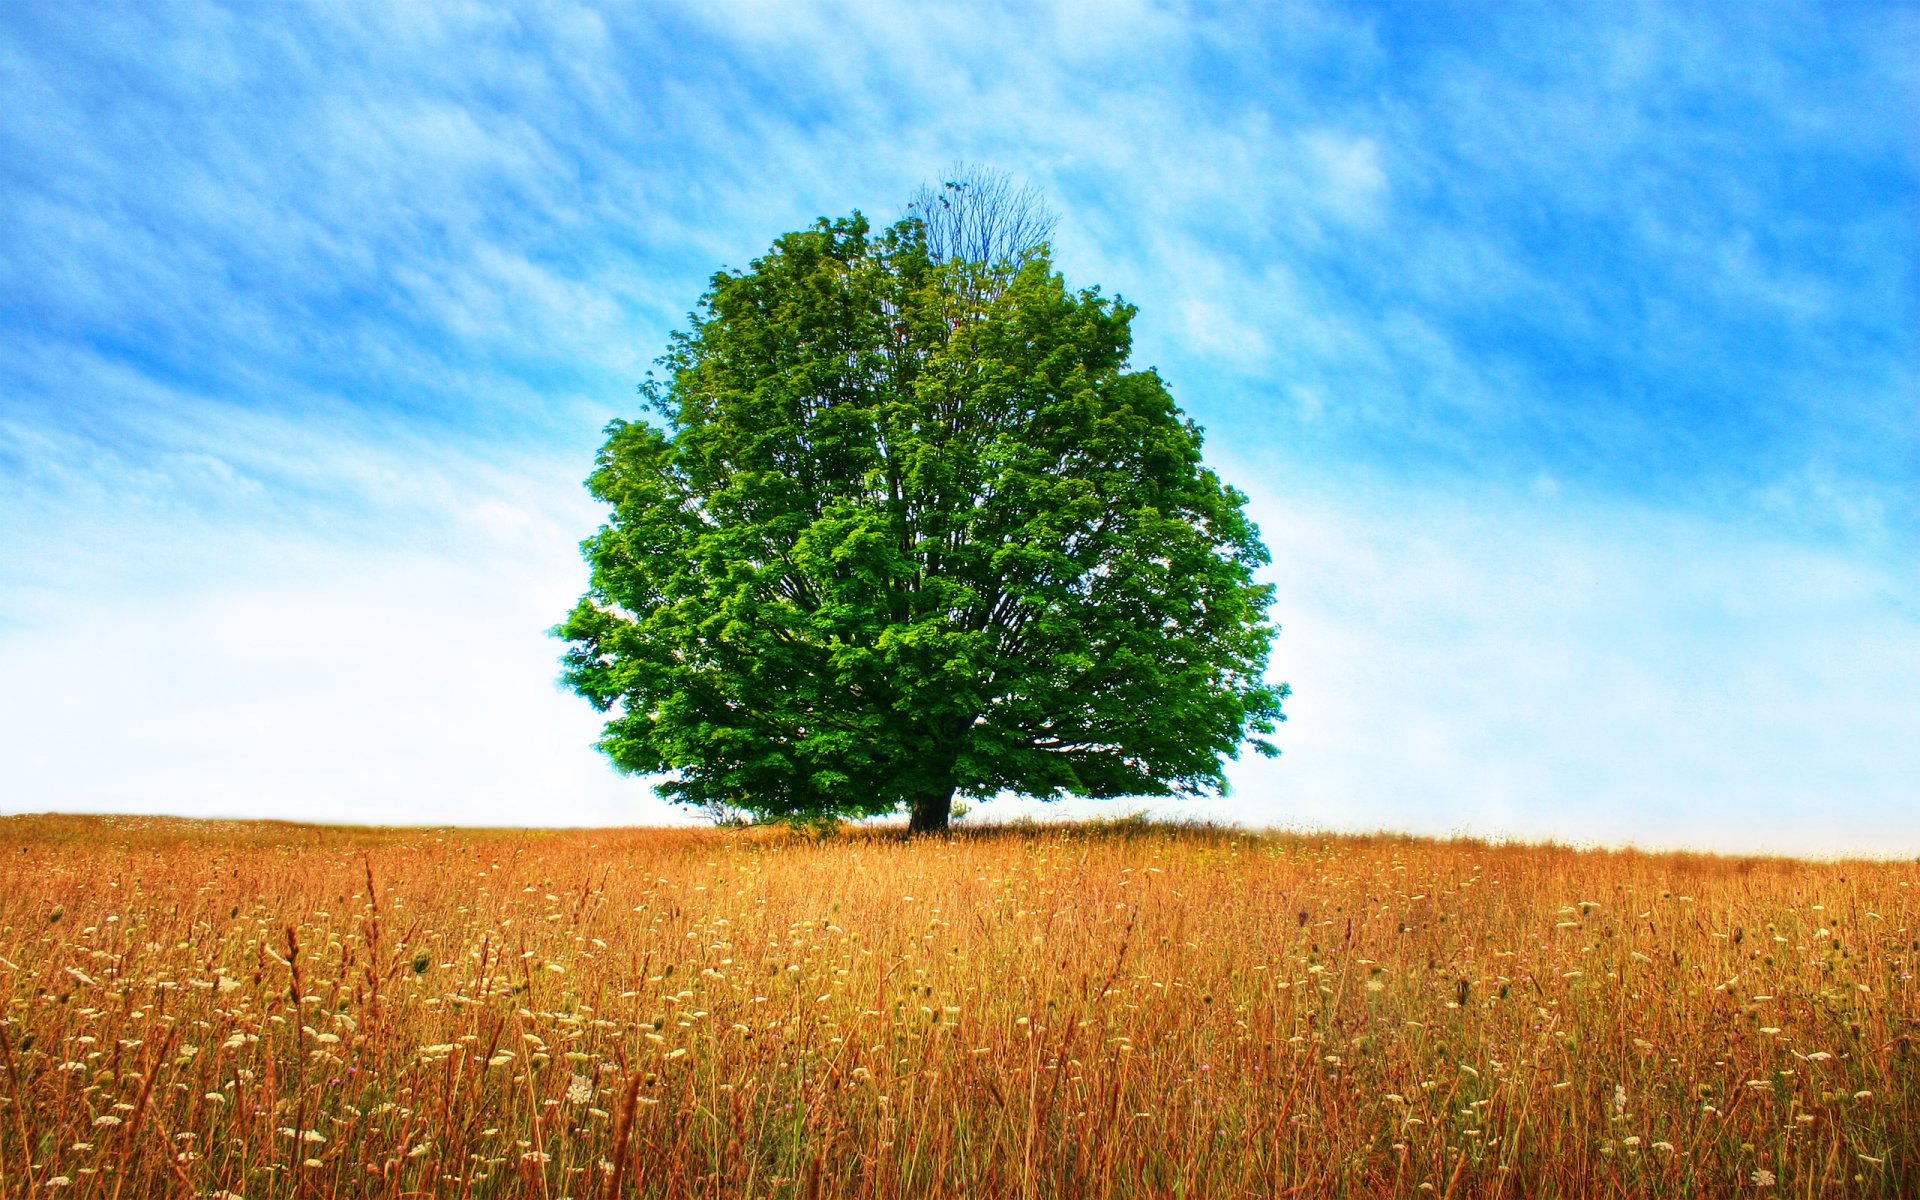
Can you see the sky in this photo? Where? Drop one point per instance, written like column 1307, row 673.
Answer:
column 1569, row 355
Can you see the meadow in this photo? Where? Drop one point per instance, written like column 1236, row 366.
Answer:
column 260, row 1010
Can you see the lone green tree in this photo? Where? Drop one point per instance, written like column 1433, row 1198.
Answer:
column 905, row 526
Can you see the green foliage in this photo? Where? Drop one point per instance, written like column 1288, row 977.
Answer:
column 904, row 527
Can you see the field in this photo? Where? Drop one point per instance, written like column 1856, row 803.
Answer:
column 258, row 1010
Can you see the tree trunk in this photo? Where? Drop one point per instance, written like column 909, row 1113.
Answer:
column 930, row 812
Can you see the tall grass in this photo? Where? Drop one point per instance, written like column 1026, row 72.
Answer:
column 257, row 1010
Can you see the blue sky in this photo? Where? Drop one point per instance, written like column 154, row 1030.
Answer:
column 1570, row 354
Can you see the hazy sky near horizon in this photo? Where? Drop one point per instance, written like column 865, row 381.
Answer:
column 1570, row 356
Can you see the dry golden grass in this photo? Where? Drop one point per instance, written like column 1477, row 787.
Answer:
column 276, row 1011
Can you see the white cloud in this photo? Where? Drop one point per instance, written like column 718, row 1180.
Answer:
column 1501, row 664
column 403, row 683
column 1353, row 181
column 1495, row 666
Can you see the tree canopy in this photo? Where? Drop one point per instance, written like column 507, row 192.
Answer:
column 903, row 524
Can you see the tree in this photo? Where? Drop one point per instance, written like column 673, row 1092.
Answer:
column 905, row 525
